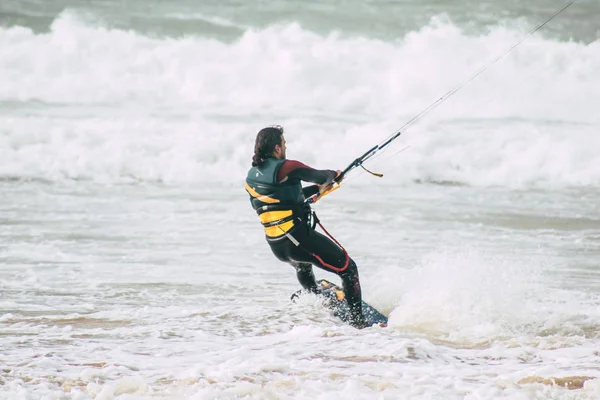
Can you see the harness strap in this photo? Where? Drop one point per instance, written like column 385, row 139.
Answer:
column 278, row 222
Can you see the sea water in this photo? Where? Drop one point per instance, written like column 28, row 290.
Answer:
column 133, row 267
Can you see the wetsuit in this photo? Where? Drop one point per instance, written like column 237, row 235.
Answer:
column 277, row 195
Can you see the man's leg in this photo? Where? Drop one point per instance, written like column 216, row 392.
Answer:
column 283, row 250
column 321, row 251
column 306, row 277
column 353, row 294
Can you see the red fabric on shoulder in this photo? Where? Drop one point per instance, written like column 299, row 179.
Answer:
column 287, row 167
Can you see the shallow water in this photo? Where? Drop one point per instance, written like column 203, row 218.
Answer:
column 164, row 291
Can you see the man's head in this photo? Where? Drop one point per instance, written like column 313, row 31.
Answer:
column 269, row 143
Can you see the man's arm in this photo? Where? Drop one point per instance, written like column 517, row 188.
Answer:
column 297, row 170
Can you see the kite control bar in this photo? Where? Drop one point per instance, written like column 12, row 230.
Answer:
column 336, row 182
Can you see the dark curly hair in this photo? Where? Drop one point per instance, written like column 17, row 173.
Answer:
column 264, row 146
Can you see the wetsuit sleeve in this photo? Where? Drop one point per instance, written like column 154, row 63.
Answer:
column 297, row 170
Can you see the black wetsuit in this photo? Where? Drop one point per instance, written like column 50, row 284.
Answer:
column 303, row 247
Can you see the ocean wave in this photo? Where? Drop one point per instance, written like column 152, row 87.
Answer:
column 89, row 102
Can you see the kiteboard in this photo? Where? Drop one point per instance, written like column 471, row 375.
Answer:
column 333, row 297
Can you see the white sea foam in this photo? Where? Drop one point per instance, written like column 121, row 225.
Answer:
column 88, row 102
column 465, row 295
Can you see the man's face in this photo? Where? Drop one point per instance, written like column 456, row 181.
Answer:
column 280, row 149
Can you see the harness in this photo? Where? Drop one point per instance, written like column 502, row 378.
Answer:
column 281, row 208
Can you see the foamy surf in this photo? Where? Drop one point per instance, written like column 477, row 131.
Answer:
column 528, row 120
column 131, row 265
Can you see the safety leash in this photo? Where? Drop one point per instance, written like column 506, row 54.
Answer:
column 317, row 221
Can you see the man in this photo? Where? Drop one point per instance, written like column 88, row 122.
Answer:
column 277, row 195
